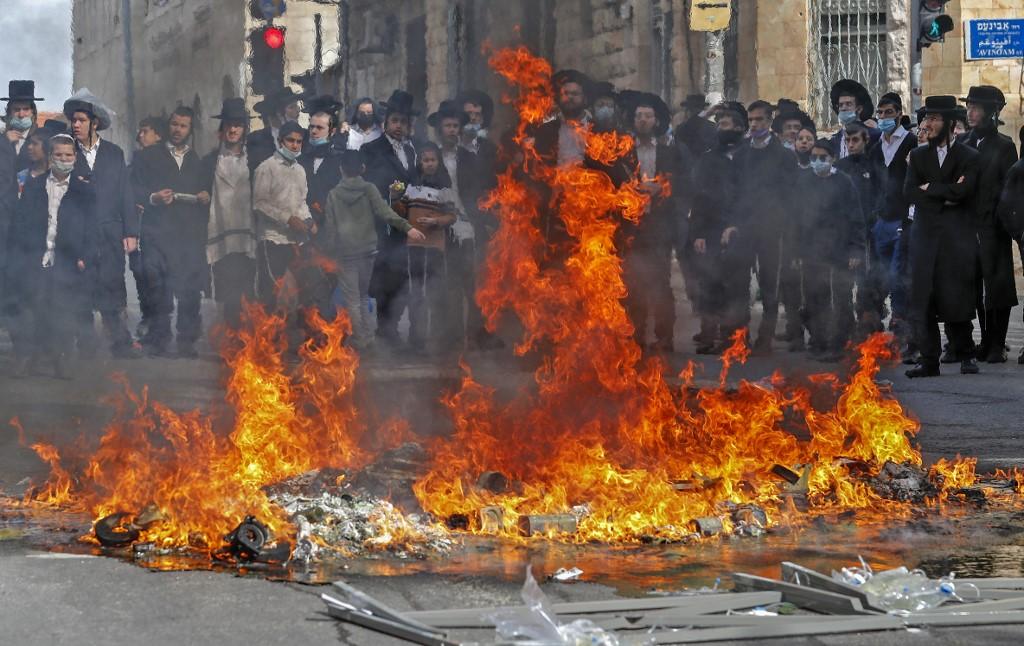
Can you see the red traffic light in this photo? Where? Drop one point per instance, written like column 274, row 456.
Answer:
column 273, row 37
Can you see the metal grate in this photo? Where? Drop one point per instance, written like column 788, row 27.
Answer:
column 847, row 41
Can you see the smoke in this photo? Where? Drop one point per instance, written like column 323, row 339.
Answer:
column 36, row 45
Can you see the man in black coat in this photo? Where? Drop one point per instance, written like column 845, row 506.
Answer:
column 116, row 221
column 8, row 201
column 942, row 178
column 277, row 108
column 20, row 118
column 889, row 213
column 996, row 154
column 46, row 274
column 170, row 181
column 861, row 171
column 647, row 258
column 1011, row 211
column 694, row 130
column 765, row 212
column 851, row 102
column 391, row 162
column 724, row 274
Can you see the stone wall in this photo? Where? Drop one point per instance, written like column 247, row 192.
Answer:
column 945, row 70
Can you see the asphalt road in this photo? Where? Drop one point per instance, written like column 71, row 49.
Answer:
column 81, row 600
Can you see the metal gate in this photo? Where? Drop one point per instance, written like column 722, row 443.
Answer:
column 847, row 40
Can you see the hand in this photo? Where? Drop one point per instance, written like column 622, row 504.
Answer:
column 296, row 223
column 312, row 228
column 700, row 245
column 428, row 221
column 203, row 197
column 871, row 123
column 924, row 187
column 344, row 127
column 727, row 235
column 13, row 135
column 961, row 180
column 854, row 263
column 417, row 235
column 165, row 197
column 81, row 265
column 130, row 244
column 651, row 188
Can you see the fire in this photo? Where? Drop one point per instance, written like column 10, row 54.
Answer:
column 605, row 436
column 205, row 483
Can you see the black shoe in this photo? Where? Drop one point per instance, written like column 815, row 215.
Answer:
column 969, row 367
column 705, row 347
column 909, row 356
column 996, row 355
column 126, row 352
column 187, row 351
column 922, row 370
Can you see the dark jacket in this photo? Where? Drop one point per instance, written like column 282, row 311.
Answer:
column 179, row 224
column 27, row 243
column 861, row 172
column 697, row 133
column 259, row 147
column 943, row 243
column 8, row 200
column 116, row 219
column 1011, row 202
column 831, row 224
column 837, row 139
column 890, row 203
column 383, row 167
column 321, row 182
column 715, row 182
column 767, row 178
column 996, row 155
column 658, row 227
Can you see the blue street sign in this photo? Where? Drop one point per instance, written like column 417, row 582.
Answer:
column 994, row 38
column 272, row 8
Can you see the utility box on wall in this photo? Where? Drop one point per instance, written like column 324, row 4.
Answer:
column 709, row 15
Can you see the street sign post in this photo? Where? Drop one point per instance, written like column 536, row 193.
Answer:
column 986, row 39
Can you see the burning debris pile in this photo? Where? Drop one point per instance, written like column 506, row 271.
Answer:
column 602, row 449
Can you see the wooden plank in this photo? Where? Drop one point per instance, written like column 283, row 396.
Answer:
column 803, row 597
column 800, row 575
column 361, row 599
column 336, row 609
column 777, row 629
column 696, row 604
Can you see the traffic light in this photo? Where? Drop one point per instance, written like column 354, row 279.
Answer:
column 267, row 45
column 933, row 24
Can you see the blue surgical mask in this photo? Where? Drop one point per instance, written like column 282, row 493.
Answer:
column 319, row 142
column 789, row 145
column 887, row 125
column 821, row 167
column 759, row 134
column 21, row 124
column 847, row 116
column 287, row 154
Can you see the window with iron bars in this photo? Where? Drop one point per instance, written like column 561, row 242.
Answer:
column 847, row 40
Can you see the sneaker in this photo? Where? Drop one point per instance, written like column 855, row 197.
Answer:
column 922, row 370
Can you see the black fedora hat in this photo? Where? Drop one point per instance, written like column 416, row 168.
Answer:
column 448, row 109
column 943, row 104
column 694, row 102
column 276, row 100
column 400, row 101
column 849, row 87
column 21, row 91
column 561, row 77
column 233, row 109
column 634, row 100
column 322, row 103
column 986, row 95
column 480, row 98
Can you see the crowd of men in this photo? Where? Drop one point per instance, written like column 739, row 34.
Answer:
column 882, row 221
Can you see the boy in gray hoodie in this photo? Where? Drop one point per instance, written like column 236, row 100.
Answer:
column 350, row 233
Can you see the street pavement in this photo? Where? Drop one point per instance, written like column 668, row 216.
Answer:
column 81, row 600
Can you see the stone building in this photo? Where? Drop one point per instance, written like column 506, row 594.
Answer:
column 195, row 52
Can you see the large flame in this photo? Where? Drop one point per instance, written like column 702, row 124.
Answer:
column 285, row 422
column 604, row 433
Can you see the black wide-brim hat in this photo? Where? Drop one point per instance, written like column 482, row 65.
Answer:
column 400, row 101
column 21, row 91
column 480, row 98
column 694, row 102
column 849, row 87
column 277, row 99
column 631, row 100
column 233, row 109
column 986, row 95
column 604, row 89
column 448, row 110
column 943, row 104
column 322, row 103
column 561, row 77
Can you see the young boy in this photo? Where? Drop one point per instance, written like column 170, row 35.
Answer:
column 350, row 234
column 48, row 250
column 831, row 248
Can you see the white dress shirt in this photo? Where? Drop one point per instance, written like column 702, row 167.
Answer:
column 942, row 151
column 178, row 154
column 90, row 153
column 399, row 148
column 891, row 145
column 55, row 191
column 357, row 137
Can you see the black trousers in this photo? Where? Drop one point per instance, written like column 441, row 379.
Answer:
column 175, row 276
column 45, row 325
column 427, row 286
column 647, row 273
column 828, row 290
column 768, row 249
column 139, row 274
column 115, row 328
column 724, row 278
column 390, row 286
column 929, row 342
column 272, row 261
column 234, row 278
